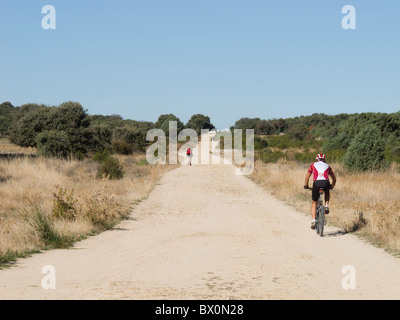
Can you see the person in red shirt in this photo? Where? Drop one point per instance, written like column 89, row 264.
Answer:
column 321, row 172
column 189, row 155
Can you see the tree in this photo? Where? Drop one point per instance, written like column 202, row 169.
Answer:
column 29, row 121
column 366, row 151
column 165, row 124
column 198, row 122
column 101, row 137
column 7, row 110
column 264, row 127
column 69, row 117
column 126, row 139
column 53, row 143
column 247, row 123
column 161, row 120
column 341, row 141
column 298, row 132
column 387, row 123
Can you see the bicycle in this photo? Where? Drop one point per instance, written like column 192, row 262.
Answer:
column 320, row 217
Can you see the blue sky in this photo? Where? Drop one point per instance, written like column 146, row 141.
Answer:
column 227, row 59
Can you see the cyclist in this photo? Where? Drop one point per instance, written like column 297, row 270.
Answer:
column 189, row 155
column 321, row 172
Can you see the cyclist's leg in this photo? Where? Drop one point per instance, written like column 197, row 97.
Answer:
column 314, row 198
column 327, row 189
column 314, row 209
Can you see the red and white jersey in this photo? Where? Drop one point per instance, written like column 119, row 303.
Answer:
column 320, row 170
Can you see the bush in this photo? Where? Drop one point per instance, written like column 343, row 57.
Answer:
column 122, row 147
column 128, row 136
column 46, row 231
column 101, row 156
column 198, row 122
column 342, row 141
column 30, row 120
column 247, row 123
column 53, row 144
column 64, row 205
column 267, row 155
column 110, row 166
column 280, row 142
column 298, row 132
column 259, row 143
column 69, row 118
column 367, row 151
column 101, row 137
column 304, row 157
column 336, row 155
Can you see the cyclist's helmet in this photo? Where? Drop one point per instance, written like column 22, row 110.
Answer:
column 321, row 157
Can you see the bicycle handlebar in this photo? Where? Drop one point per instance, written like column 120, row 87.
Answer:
column 308, row 188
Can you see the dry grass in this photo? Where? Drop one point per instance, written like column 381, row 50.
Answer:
column 367, row 204
column 7, row 147
column 50, row 203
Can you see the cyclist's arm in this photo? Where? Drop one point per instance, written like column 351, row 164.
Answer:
column 333, row 180
column 308, row 175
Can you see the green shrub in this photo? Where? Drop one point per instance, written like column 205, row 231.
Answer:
column 69, row 119
column 198, row 122
column 29, row 121
column 53, row 144
column 44, row 227
column 304, row 157
column 395, row 151
column 64, row 205
column 267, row 155
column 336, row 155
column 259, row 143
column 280, row 142
column 122, row 147
column 342, row 141
column 298, row 132
column 110, row 167
column 367, row 151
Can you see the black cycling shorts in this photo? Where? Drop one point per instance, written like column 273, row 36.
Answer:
column 318, row 184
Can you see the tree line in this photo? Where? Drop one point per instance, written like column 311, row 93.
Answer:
column 68, row 131
column 362, row 142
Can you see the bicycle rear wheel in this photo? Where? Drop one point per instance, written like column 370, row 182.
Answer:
column 317, row 221
column 321, row 220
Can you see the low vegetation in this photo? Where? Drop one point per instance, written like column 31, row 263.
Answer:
column 363, row 149
column 362, row 142
column 364, row 203
column 52, row 203
column 65, row 174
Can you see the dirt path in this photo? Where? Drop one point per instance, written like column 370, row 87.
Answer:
column 205, row 233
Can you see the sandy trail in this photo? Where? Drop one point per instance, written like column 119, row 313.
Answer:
column 205, row 233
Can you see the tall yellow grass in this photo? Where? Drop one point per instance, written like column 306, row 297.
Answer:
column 7, row 147
column 69, row 197
column 366, row 203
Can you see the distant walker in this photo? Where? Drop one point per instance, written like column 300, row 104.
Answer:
column 189, row 155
